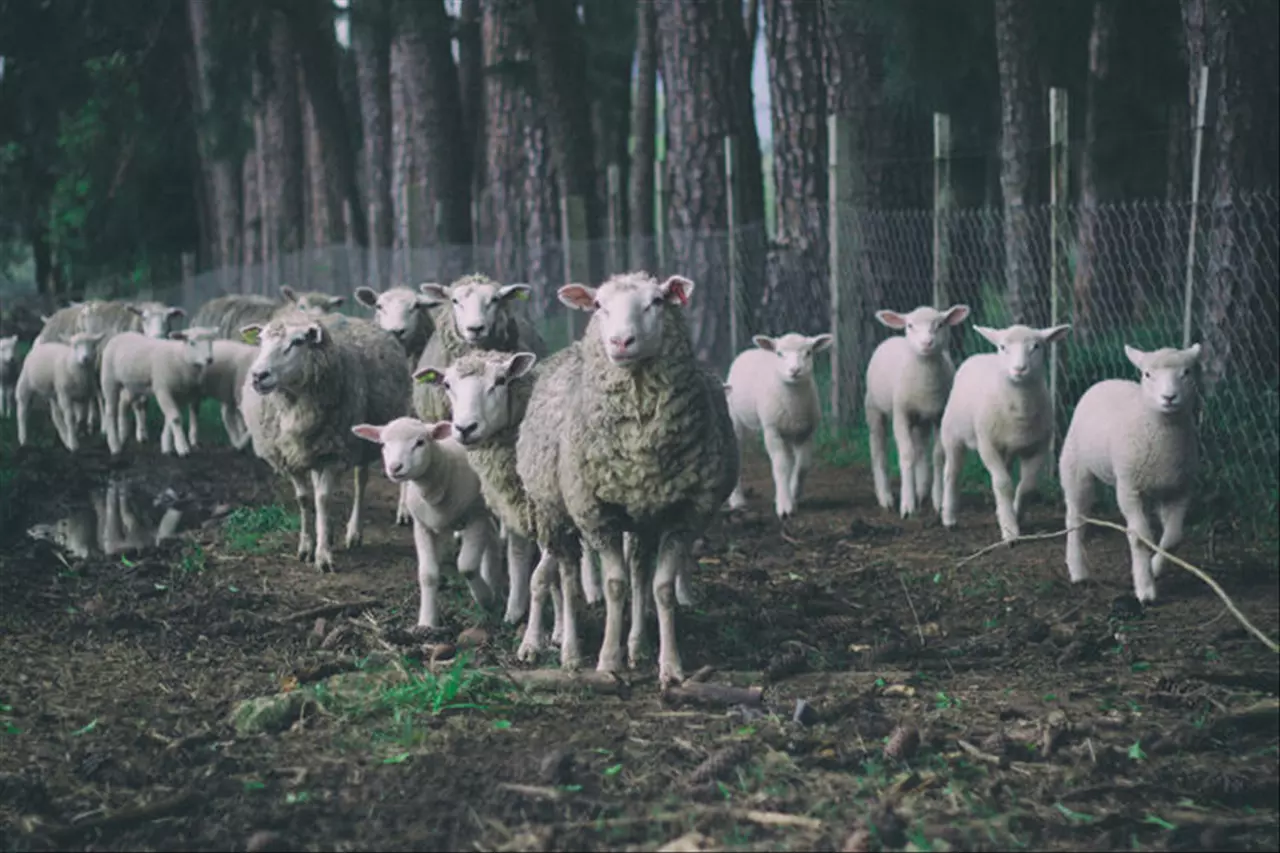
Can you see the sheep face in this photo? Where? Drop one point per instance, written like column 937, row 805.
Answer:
column 926, row 329
column 399, row 311
column 198, row 342
column 795, row 354
column 1168, row 377
column 282, row 355
column 8, row 349
column 312, row 303
column 629, row 312
column 84, row 347
column 479, row 393
column 157, row 319
column 476, row 304
column 1021, row 349
column 407, row 445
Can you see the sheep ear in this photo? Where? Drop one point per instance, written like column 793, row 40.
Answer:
column 818, row 343
column 134, row 309
column 288, row 293
column 429, row 376
column 1136, row 356
column 1055, row 334
column 314, row 334
column 368, row 432
column 677, row 289
column 578, row 296
column 520, row 364
column 335, row 301
column 425, row 302
column 764, row 342
column 250, row 334
column 892, row 319
column 1192, row 351
column 179, row 335
column 440, row 431
column 995, row 336
column 176, row 312
column 957, row 314
column 514, row 291
column 727, row 388
column 366, row 296
column 437, row 293
column 44, row 318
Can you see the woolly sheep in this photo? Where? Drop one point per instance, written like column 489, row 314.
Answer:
column 404, row 313
column 223, row 381
column 908, row 380
column 775, row 394
column 444, row 496
column 630, row 435
column 314, row 379
column 231, row 313
column 10, row 366
column 61, row 374
column 170, row 370
column 473, row 312
column 1139, row 438
column 1000, row 406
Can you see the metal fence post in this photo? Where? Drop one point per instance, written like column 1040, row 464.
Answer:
column 1202, row 95
column 731, row 201
column 1058, row 223
column 942, row 202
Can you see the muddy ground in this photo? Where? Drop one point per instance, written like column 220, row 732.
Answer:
column 987, row 705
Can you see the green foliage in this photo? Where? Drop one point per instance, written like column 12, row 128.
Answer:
column 254, row 529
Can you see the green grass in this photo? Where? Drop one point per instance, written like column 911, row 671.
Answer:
column 254, row 530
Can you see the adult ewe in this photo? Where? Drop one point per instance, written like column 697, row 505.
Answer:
column 231, row 313
column 404, row 313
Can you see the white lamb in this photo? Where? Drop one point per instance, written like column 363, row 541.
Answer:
column 9, row 369
column 772, row 391
column 1000, row 406
column 61, row 374
column 1141, row 439
column 170, row 370
column 443, row 496
column 908, row 380
column 223, row 381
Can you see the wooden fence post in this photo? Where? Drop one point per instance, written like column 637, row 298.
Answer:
column 942, row 205
column 731, row 199
column 844, row 356
column 573, row 238
column 1202, row 95
column 1058, row 188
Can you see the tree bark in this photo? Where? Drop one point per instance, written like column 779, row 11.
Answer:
column 706, row 72
column 797, row 262
column 282, row 142
column 371, row 44
column 406, row 215
column 1018, row 124
column 610, row 29
column 471, row 84
column 644, row 127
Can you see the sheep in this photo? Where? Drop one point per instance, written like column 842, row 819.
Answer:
column 62, row 374
column 404, row 313
column 908, row 380
column 999, row 405
column 223, row 381
column 313, row 302
column 444, row 495
column 627, row 434
column 231, row 313
column 314, row 379
column 777, row 395
column 473, row 312
column 10, row 366
column 1139, row 438
column 170, row 370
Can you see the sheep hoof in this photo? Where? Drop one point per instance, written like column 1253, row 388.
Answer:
column 669, row 675
column 570, row 660
column 737, row 501
column 324, row 561
column 528, row 651
column 885, row 503
column 355, row 539
column 636, row 656
column 513, row 615
column 403, row 519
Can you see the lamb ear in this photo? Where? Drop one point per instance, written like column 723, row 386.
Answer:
column 288, row 293
column 250, row 334
column 578, row 296
column 179, row 335
column 1055, row 334
column 677, row 289
column 436, row 292
column 892, row 319
column 1193, row 351
column 367, row 296
column 1136, row 357
column 335, row 301
column 514, row 291
column 520, row 364
column 957, row 314
column 440, row 431
column 818, row 343
column 429, row 376
column 995, row 336
column 314, row 334
column 368, row 432
column 176, row 312
column 764, row 342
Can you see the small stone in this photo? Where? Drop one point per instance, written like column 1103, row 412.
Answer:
column 804, row 714
column 473, row 638
column 264, row 840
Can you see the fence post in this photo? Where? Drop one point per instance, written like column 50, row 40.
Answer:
column 573, row 241
column 442, row 270
column 613, row 179
column 660, row 211
column 844, row 344
column 1202, row 95
column 731, row 199
column 189, row 282
column 375, row 276
column 1057, row 226
column 942, row 203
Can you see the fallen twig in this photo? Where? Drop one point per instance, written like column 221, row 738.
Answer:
column 127, row 817
column 329, row 610
column 911, row 604
column 607, row 683
column 778, row 819
column 702, row 693
column 980, row 754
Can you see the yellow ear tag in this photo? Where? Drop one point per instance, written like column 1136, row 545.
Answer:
column 250, row 336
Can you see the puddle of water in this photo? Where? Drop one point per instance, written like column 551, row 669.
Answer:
column 117, row 517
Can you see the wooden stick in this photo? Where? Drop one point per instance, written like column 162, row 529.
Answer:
column 127, row 817
column 702, row 693
column 329, row 610
column 605, row 683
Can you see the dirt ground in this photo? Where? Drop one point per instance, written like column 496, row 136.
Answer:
column 978, row 705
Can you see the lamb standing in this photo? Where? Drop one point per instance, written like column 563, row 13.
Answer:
column 61, row 374
column 10, row 366
column 1141, row 439
column 404, row 313
column 444, row 496
column 908, row 380
column 1000, row 406
column 773, row 392
column 313, row 380
column 223, row 381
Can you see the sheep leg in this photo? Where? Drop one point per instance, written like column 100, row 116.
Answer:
column 803, row 460
column 643, row 553
column 781, row 461
column 908, row 456
column 673, row 552
column 322, row 483
column 302, row 492
column 590, row 579
column 939, row 462
column 426, row 546
column 879, row 459
column 172, row 421
column 492, row 568
column 738, row 499
column 23, row 408
column 113, row 420
column 519, row 557
column 193, row 423
column 538, row 587
column 230, row 424
column 613, row 565
column 953, row 455
column 1029, row 478
column 1172, row 515
column 570, row 646
column 61, row 409
column 555, row 593
column 1135, row 516
column 477, row 537
column 921, row 471
column 355, row 523
column 139, row 407
column 402, row 506
column 1078, row 494
column 684, row 594
column 1001, row 487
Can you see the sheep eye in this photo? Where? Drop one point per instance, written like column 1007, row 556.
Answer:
column 444, row 385
column 454, row 301
column 595, row 303
column 420, row 442
column 910, row 326
column 499, row 382
column 657, row 300
column 1146, row 374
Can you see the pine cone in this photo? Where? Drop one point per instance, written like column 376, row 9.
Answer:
column 720, row 763
column 903, row 743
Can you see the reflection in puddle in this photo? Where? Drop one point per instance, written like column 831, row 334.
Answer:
column 117, row 519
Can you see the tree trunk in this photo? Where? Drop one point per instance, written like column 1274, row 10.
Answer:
column 1018, row 124
column 406, row 215
column 1094, row 290
column 644, row 127
column 471, row 85
column 611, row 41
column 706, row 73
column 282, row 147
column 324, row 200
column 751, row 17
column 543, row 248
column 797, row 263
column 371, row 44
column 250, row 225
column 222, row 171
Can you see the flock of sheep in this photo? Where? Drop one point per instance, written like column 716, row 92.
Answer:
column 618, row 450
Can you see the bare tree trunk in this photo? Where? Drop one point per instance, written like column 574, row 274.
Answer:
column 406, row 219
column 707, row 80
column 1018, row 138
column 251, row 222
column 282, row 144
column 371, row 44
column 751, row 17
column 471, row 85
column 544, row 258
column 644, row 127
column 610, row 29
column 507, row 54
column 797, row 263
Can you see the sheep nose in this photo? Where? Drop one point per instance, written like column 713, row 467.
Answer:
column 1019, row 369
column 465, row 432
column 399, row 333
column 260, row 375
column 621, row 343
column 1169, row 398
column 397, row 468
column 475, row 330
